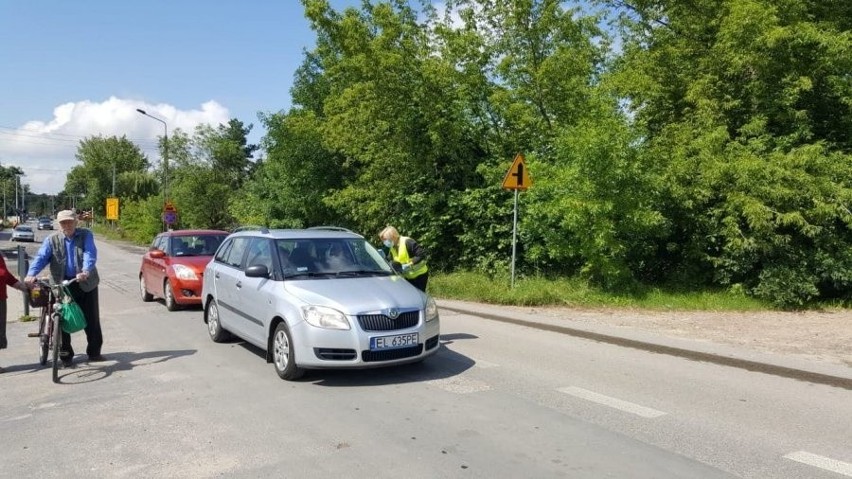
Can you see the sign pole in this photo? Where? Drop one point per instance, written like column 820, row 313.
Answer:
column 517, row 178
column 514, row 238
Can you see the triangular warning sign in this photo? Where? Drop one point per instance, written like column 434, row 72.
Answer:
column 518, row 177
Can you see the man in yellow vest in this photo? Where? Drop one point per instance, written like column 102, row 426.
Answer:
column 410, row 255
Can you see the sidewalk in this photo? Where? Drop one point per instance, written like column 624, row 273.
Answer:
column 718, row 337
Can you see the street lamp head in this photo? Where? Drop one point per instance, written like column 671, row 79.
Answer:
column 141, row 111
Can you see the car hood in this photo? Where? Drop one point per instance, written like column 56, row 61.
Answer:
column 197, row 263
column 358, row 295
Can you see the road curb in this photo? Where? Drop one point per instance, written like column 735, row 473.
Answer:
column 704, row 356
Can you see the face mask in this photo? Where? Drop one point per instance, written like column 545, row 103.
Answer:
column 388, row 243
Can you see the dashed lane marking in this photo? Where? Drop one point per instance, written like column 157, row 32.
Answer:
column 612, row 402
column 821, row 462
column 460, row 385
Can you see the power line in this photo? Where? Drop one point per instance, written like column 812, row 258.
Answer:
column 48, row 135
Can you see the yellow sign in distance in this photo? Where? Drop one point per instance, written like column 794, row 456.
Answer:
column 518, row 177
column 112, row 208
column 169, row 206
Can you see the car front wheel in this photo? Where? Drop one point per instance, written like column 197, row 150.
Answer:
column 283, row 356
column 171, row 303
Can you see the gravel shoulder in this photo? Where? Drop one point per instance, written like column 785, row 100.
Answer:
column 815, row 335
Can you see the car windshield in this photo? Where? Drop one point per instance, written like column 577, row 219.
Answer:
column 325, row 258
column 24, row 228
column 195, row 245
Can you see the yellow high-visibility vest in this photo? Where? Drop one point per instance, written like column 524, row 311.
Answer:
column 400, row 254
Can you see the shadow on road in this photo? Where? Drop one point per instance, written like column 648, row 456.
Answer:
column 84, row 372
column 445, row 363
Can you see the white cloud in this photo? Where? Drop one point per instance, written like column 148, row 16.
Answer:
column 45, row 149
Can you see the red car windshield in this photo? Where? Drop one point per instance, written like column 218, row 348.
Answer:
column 196, row 245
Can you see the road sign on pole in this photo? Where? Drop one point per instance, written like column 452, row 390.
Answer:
column 518, row 176
column 112, row 208
column 517, row 179
column 170, row 214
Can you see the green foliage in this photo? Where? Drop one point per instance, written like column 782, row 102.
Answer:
column 290, row 187
column 712, row 149
column 99, row 159
column 140, row 220
column 206, row 172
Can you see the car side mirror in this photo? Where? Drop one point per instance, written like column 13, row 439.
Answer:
column 257, row 271
column 157, row 253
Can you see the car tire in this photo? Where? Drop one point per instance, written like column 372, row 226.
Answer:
column 283, row 355
column 169, row 296
column 214, row 327
column 146, row 296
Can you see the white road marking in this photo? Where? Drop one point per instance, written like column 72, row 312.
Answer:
column 625, row 406
column 460, row 385
column 481, row 363
column 821, row 462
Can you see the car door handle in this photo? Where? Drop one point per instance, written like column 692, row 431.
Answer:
column 239, row 284
column 216, row 275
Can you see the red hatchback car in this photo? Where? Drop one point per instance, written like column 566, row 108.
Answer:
column 173, row 266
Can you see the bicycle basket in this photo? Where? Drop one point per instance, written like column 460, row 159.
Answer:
column 73, row 319
column 39, row 296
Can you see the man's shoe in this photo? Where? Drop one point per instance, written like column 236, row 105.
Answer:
column 98, row 358
column 67, row 362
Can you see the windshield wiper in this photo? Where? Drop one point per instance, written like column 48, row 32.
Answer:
column 361, row 272
column 309, row 274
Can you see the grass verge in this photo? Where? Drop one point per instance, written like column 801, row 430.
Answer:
column 574, row 292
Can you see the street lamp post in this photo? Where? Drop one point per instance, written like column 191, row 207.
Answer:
column 165, row 157
column 165, row 152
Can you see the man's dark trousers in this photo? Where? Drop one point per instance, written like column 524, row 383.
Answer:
column 88, row 302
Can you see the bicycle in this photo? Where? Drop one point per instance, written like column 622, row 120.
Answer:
column 48, row 296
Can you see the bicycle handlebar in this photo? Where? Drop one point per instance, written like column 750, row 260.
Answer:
column 47, row 283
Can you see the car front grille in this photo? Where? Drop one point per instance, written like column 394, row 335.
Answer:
column 391, row 354
column 380, row 322
column 331, row 354
column 432, row 342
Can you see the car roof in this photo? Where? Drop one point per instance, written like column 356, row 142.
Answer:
column 297, row 234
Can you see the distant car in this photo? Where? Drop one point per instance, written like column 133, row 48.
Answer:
column 316, row 298
column 23, row 233
column 45, row 224
column 172, row 268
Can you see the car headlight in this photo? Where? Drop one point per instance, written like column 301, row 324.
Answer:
column 325, row 318
column 184, row 272
column 431, row 309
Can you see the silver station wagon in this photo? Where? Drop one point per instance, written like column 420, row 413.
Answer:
column 316, row 298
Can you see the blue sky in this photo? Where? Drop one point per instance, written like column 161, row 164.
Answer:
column 72, row 69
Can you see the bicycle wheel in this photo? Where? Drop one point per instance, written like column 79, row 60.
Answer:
column 44, row 331
column 57, row 340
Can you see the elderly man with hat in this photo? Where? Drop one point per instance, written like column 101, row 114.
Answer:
column 71, row 253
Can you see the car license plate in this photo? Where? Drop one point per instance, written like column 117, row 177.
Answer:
column 393, row 342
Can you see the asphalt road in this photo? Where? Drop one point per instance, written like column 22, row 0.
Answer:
column 498, row 400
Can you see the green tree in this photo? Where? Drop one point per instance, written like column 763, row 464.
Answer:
column 289, row 189
column 102, row 159
column 747, row 104
column 206, row 170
